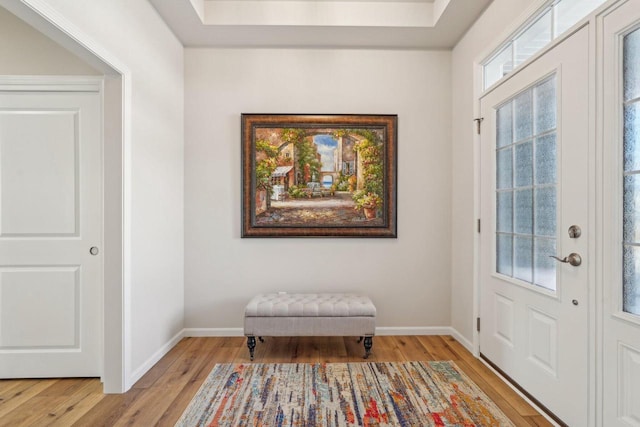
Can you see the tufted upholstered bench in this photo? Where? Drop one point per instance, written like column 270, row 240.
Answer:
column 325, row 314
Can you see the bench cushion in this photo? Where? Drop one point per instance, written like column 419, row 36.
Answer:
column 310, row 305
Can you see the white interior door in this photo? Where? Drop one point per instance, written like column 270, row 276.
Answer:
column 534, row 166
column 50, row 217
column 621, row 216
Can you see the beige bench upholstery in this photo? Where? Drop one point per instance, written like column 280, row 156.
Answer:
column 323, row 314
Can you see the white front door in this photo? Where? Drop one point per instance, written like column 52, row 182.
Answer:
column 50, row 218
column 621, row 216
column 534, row 176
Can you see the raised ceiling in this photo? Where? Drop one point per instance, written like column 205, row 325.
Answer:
column 417, row 24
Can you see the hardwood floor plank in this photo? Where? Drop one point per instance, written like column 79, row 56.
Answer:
column 163, row 393
column 180, row 403
column 109, row 409
column 189, row 365
column 333, row 349
column 384, row 350
column 437, row 347
column 150, row 406
column 275, row 350
column 355, row 350
column 22, row 395
column 161, row 367
column 234, row 342
column 412, row 349
column 75, row 406
column 65, row 387
column 232, row 355
column 308, row 350
column 6, row 387
column 31, row 410
column 10, row 389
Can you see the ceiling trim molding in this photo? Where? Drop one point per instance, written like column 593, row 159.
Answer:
column 331, row 24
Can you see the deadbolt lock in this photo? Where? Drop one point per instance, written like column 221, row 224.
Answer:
column 574, row 232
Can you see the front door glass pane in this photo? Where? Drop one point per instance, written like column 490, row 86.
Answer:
column 526, row 205
column 631, row 179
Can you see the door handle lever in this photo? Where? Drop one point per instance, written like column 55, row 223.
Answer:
column 573, row 259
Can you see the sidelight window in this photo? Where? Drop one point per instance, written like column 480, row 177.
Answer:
column 631, row 178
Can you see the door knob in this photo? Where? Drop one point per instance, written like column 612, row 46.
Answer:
column 573, row 259
column 94, row 250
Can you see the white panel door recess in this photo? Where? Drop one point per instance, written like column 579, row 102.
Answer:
column 620, row 32
column 534, row 162
column 50, row 217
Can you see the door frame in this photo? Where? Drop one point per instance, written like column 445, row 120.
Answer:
column 595, row 304
column 117, row 179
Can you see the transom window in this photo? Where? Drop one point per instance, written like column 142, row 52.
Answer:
column 526, row 185
column 551, row 22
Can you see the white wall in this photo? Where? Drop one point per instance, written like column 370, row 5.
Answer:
column 408, row 278
column 134, row 33
column 25, row 51
column 485, row 34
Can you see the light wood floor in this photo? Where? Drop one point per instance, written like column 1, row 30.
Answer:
column 160, row 397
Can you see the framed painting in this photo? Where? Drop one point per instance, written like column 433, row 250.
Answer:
column 309, row 175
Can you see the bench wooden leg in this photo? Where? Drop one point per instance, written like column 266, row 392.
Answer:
column 251, row 343
column 368, row 343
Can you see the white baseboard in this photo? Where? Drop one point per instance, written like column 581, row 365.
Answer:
column 138, row 373
column 461, row 339
column 413, row 330
column 214, row 332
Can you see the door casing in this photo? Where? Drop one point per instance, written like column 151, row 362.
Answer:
column 117, row 179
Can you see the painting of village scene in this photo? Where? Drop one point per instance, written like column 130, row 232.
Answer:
column 319, row 175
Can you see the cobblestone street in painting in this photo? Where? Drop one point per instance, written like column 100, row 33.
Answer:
column 330, row 211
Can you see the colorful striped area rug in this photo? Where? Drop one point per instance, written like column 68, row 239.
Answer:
column 341, row 394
